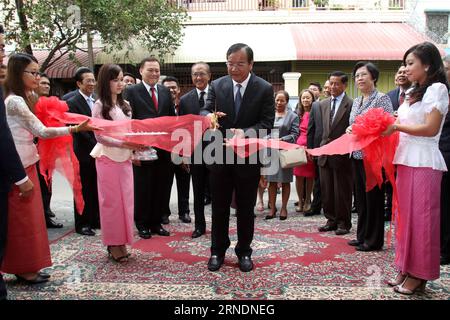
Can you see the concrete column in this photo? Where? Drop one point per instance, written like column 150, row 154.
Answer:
column 291, row 86
column 291, row 82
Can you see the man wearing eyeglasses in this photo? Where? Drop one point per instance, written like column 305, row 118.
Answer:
column 243, row 103
column 82, row 102
column 191, row 103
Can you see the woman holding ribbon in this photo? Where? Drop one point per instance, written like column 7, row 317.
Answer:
column 113, row 164
column 419, row 169
column 27, row 249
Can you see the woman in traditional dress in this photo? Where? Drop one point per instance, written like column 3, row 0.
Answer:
column 27, row 250
column 114, row 167
column 419, row 169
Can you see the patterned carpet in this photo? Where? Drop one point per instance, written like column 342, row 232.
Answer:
column 292, row 261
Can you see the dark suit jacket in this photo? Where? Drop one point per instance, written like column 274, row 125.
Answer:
column 257, row 107
column 69, row 95
column 189, row 103
column 142, row 104
column 340, row 124
column 11, row 169
column 83, row 142
column 394, row 95
column 315, row 127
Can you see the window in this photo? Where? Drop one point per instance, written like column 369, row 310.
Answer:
column 437, row 26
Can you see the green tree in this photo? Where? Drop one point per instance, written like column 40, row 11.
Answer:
column 62, row 27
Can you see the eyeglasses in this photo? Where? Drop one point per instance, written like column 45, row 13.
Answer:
column 33, row 73
column 199, row 74
column 89, row 81
column 360, row 75
column 236, row 65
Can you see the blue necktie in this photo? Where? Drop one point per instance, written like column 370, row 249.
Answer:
column 237, row 100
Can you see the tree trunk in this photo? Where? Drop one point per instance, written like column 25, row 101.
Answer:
column 23, row 22
column 90, row 49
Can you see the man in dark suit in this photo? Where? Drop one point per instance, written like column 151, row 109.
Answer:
column 444, row 146
column 336, row 171
column 191, row 103
column 244, row 104
column 397, row 97
column 82, row 102
column 179, row 171
column 314, row 137
column 11, row 171
column 46, row 190
column 151, row 178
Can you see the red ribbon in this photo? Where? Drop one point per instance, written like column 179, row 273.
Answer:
column 59, row 148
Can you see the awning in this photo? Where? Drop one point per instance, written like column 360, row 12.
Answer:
column 354, row 41
column 65, row 67
column 288, row 42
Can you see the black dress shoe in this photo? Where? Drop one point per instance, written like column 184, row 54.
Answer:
column 44, row 274
column 341, row 231
column 311, row 213
column 354, row 210
column 207, row 201
column 445, row 261
column 185, row 218
column 86, row 231
column 160, row 231
column 197, row 233
column 50, row 213
column 364, row 247
column 144, row 233
column 215, row 262
column 327, row 227
column 165, row 220
column 37, row 280
column 354, row 243
column 52, row 224
column 245, row 264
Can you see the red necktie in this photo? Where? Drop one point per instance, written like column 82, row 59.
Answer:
column 155, row 101
column 402, row 98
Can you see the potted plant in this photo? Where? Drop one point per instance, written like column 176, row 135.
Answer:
column 320, row 4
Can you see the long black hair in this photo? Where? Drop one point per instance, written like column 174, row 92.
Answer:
column 428, row 55
column 107, row 73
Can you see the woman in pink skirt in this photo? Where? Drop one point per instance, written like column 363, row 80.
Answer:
column 419, row 172
column 114, row 168
column 304, row 174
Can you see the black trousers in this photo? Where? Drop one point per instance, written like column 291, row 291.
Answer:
column 223, row 180
column 199, row 182
column 46, row 192
column 316, row 205
column 370, row 207
column 445, row 215
column 3, row 233
column 183, row 180
column 90, row 217
column 151, row 191
column 336, row 187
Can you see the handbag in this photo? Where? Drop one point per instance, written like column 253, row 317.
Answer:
column 292, row 158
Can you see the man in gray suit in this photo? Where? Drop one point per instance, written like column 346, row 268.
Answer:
column 336, row 171
column 245, row 105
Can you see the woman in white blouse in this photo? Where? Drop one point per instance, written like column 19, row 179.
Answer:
column 27, row 249
column 419, row 169
column 113, row 164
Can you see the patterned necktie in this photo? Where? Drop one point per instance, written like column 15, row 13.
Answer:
column 333, row 110
column 201, row 100
column 402, row 98
column 237, row 100
column 155, row 101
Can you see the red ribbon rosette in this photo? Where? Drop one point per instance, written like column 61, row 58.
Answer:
column 57, row 153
